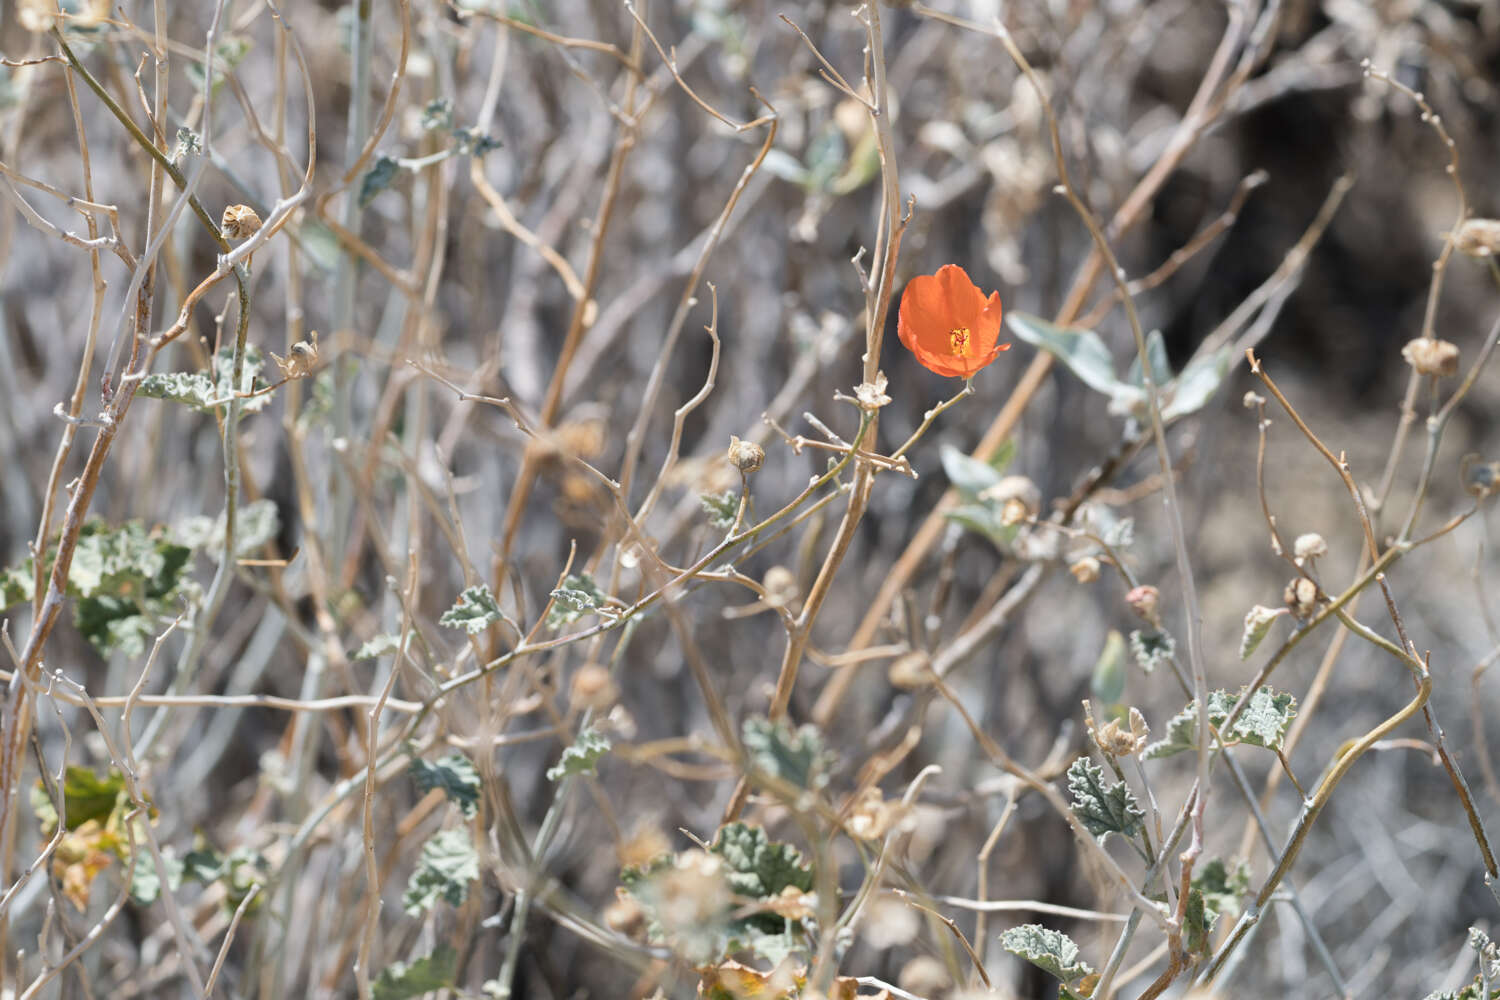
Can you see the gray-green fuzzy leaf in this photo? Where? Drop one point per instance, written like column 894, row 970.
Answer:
column 455, row 774
column 1101, row 807
column 582, row 757
column 1051, row 951
column 447, row 865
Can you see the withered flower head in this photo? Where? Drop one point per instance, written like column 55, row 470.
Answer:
column 1431, row 357
column 239, row 221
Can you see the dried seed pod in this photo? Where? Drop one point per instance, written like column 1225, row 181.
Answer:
column 910, row 671
column 239, row 221
column 1018, row 497
column 1478, row 237
column 781, row 587
column 592, row 687
column 625, row 917
column 1301, row 596
column 1309, row 546
column 925, row 976
column 1431, row 357
column 871, row 816
column 301, row 358
column 745, row 456
column 1085, row 570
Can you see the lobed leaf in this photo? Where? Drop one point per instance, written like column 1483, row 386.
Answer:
column 475, row 610
column 446, row 867
column 795, row 756
column 455, row 774
column 1101, row 807
column 1051, row 951
column 582, row 757
column 402, row 981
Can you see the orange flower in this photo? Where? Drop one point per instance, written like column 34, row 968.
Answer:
column 948, row 323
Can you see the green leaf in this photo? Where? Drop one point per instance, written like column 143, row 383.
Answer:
column 189, row 143
column 1215, row 890
column 228, row 54
column 721, row 508
column 321, row 245
column 1051, row 951
column 968, row 475
column 582, row 757
column 825, row 157
column 207, row 391
column 468, row 141
column 447, row 865
column 1003, row 455
column 127, row 583
column 795, row 756
column 17, row 585
column 437, row 114
column 1258, row 622
column 378, row 646
column 1197, row 923
column 760, row 867
column 984, row 519
column 86, row 796
column 455, row 774
column 577, row 596
column 255, row 524
column 1081, row 351
column 1196, row 385
column 1263, row 723
column 203, row 864
column 377, row 179
column 1108, row 683
column 475, row 610
column 145, row 881
column 400, row 981
column 192, row 388
column 1161, row 368
column 243, row 869
column 1222, row 888
column 1152, row 648
column 780, row 163
column 1103, row 808
column 1181, row 735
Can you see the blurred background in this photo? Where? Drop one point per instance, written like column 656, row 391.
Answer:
column 505, row 136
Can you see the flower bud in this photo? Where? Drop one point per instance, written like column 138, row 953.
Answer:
column 1145, row 601
column 746, row 456
column 1431, row 357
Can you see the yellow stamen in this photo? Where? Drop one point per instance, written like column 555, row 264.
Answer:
column 958, row 341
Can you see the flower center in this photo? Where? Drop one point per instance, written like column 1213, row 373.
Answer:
column 958, row 341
